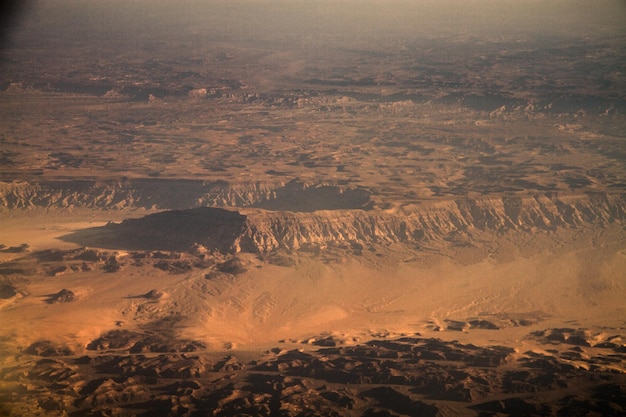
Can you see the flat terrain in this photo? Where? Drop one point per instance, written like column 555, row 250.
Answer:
column 277, row 209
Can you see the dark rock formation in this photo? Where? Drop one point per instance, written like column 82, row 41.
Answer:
column 63, row 296
column 48, row 348
column 232, row 266
column 7, row 291
column 405, row 376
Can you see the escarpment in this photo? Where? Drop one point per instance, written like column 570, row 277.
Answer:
column 267, row 231
column 263, row 231
column 180, row 194
column 136, row 193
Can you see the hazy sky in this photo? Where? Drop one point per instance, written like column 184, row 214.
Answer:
column 331, row 17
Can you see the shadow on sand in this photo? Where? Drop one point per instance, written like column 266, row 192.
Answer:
column 169, row 230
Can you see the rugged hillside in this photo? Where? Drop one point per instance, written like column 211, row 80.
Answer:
column 262, row 231
column 137, row 193
column 297, row 215
column 180, row 194
column 445, row 220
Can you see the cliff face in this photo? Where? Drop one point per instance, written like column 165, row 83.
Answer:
column 179, row 194
column 136, row 193
column 262, row 231
column 296, row 215
column 268, row 231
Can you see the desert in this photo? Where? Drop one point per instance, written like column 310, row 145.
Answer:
column 273, row 208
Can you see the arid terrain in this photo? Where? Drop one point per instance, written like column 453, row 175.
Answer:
column 272, row 208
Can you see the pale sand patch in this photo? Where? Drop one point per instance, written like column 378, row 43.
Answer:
column 41, row 228
column 102, row 300
column 357, row 300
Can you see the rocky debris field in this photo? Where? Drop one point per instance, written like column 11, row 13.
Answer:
column 145, row 373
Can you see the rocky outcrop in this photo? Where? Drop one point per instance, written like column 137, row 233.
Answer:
column 180, row 194
column 262, row 231
column 63, row 296
column 410, row 376
column 137, row 193
column 267, row 231
column 297, row 215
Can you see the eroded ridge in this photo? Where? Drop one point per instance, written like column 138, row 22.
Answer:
column 181, row 194
column 266, row 231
